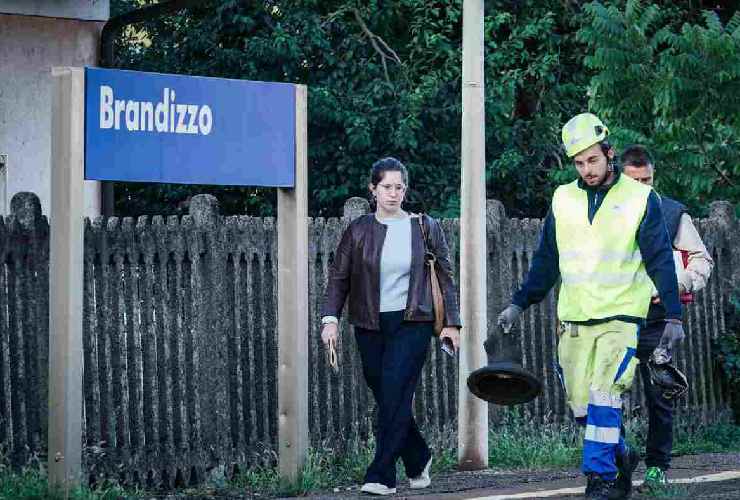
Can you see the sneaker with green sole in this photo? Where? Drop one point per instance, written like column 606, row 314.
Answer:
column 655, row 476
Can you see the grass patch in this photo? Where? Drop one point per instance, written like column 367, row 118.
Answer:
column 32, row 484
column 325, row 468
column 515, row 442
column 717, row 438
column 690, row 438
column 519, row 443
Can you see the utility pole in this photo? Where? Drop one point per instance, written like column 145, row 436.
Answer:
column 472, row 444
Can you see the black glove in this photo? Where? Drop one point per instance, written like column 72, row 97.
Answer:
column 672, row 336
column 508, row 317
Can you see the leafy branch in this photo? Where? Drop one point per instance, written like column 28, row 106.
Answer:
column 380, row 46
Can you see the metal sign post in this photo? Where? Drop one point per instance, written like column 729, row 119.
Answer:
column 131, row 126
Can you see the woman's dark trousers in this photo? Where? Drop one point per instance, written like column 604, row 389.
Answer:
column 392, row 359
column 660, row 410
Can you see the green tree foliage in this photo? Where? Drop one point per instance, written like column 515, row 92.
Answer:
column 674, row 88
column 384, row 79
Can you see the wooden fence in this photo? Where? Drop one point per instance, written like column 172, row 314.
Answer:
column 180, row 343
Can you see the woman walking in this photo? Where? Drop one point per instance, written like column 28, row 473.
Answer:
column 380, row 270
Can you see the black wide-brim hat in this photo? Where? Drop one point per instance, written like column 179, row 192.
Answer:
column 504, row 383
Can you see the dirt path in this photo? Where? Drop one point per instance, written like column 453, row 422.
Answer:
column 500, row 484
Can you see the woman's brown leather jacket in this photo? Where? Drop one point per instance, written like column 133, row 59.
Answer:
column 356, row 272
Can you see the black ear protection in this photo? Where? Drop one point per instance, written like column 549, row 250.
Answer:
column 611, row 164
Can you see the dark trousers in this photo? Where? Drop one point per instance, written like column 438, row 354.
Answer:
column 660, row 410
column 392, row 359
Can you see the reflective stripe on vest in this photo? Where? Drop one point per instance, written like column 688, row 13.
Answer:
column 600, row 263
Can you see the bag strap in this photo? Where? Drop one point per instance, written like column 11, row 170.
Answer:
column 427, row 252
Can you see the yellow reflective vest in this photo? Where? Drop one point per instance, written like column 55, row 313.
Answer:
column 601, row 267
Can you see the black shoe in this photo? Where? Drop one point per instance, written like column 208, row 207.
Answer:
column 626, row 465
column 598, row 488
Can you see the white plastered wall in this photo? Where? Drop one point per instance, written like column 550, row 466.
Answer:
column 29, row 47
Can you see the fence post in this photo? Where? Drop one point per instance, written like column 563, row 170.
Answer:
column 722, row 215
column 355, row 207
column 26, row 208
column 498, row 275
column 210, row 338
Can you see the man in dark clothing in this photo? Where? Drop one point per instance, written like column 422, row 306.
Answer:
column 693, row 267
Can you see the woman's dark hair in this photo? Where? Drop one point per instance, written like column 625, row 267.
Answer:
column 388, row 164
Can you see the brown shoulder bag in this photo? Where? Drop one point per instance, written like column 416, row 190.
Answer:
column 437, row 301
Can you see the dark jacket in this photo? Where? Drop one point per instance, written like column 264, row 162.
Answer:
column 672, row 212
column 355, row 273
column 652, row 238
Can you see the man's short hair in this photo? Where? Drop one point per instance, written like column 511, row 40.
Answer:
column 636, row 155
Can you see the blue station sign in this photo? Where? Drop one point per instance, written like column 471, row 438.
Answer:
column 149, row 127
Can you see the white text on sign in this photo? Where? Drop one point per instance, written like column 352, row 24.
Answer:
column 145, row 116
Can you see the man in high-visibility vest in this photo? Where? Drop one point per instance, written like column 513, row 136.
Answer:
column 693, row 268
column 606, row 239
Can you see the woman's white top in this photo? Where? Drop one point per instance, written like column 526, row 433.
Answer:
column 395, row 264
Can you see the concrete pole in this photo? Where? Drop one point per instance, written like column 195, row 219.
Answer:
column 65, row 278
column 293, row 306
column 472, row 444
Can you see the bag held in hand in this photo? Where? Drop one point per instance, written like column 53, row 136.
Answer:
column 437, row 301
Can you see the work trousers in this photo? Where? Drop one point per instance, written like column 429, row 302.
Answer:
column 596, row 364
column 392, row 359
column 660, row 410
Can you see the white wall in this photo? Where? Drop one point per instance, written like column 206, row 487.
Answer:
column 29, row 47
column 88, row 10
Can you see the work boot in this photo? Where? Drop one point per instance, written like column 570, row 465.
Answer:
column 598, row 488
column 626, row 465
column 654, row 479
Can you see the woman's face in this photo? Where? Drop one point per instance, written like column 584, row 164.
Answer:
column 389, row 192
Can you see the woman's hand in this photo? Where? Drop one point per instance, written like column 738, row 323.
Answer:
column 329, row 332
column 452, row 333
